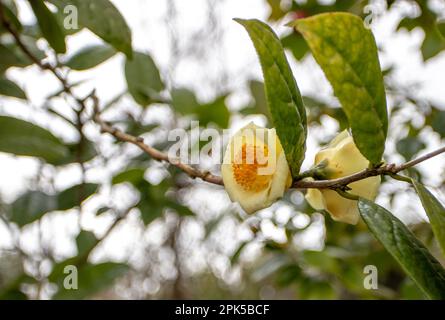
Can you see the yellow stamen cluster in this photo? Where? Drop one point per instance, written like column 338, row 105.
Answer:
column 245, row 167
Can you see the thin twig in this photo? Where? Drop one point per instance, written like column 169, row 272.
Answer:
column 155, row 153
column 388, row 169
column 420, row 159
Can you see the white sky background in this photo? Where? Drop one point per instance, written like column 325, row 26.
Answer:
column 233, row 54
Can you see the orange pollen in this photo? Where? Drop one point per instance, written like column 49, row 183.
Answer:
column 246, row 165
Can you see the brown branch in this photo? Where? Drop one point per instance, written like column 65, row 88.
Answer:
column 155, row 153
column 388, row 169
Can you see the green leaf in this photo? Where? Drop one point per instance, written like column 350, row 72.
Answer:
column 236, row 255
column 409, row 252
column 132, row 175
column 152, row 198
column 73, row 196
column 310, row 8
column 314, row 289
column 92, row 279
column 7, row 59
column 409, row 291
column 437, row 123
column 153, row 201
column 143, row 79
column 88, row 152
column 259, row 97
column 184, row 101
column 212, row 225
column 347, row 53
column 296, row 44
column 409, row 146
column 136, row 128
column 10, row 12
column 67, row 20
column 441, row 28
column 12, row 56
column 49, row 25
column 26, row 139
column 103, row 19
column 435, row 211
column 90, row 57
column 432, row 44
column 31, row 206
column 102, row 210
column 409, row 24
column 288, row 274
column 322, row 260
column 150, row 209
column 283, row 96
column 12, row 275
column 317, row 109
column 13, row 294
column 179, row 208
column 259, row 104
column 10, row 89
column 214, row 112
column 276, row 10
column 85, row 241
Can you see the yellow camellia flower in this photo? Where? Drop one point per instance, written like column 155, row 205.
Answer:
column 342, row 158
column 255, row 170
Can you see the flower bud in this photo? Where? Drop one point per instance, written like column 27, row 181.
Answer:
column 255, row 170
column 342, row 159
